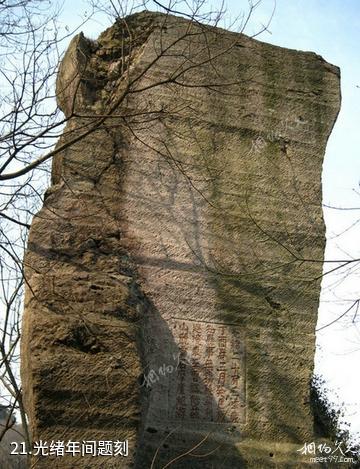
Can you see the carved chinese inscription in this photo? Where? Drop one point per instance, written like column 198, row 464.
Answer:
column 209, row 383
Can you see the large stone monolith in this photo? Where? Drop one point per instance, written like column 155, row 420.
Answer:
column 174, row 269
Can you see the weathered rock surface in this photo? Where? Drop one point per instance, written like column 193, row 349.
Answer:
column 174, row 270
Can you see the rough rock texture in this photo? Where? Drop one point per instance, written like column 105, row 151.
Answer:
column 174, row 270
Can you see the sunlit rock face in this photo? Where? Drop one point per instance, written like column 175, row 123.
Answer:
column 173, row 274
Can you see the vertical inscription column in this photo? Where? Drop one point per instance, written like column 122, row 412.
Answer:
column 183, row 336
column 209, row 382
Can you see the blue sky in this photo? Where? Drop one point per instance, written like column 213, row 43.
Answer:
column 330, row 28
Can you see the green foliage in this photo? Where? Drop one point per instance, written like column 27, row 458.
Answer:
column 329, row 421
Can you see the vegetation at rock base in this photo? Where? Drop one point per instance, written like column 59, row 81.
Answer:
column 329, row 423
